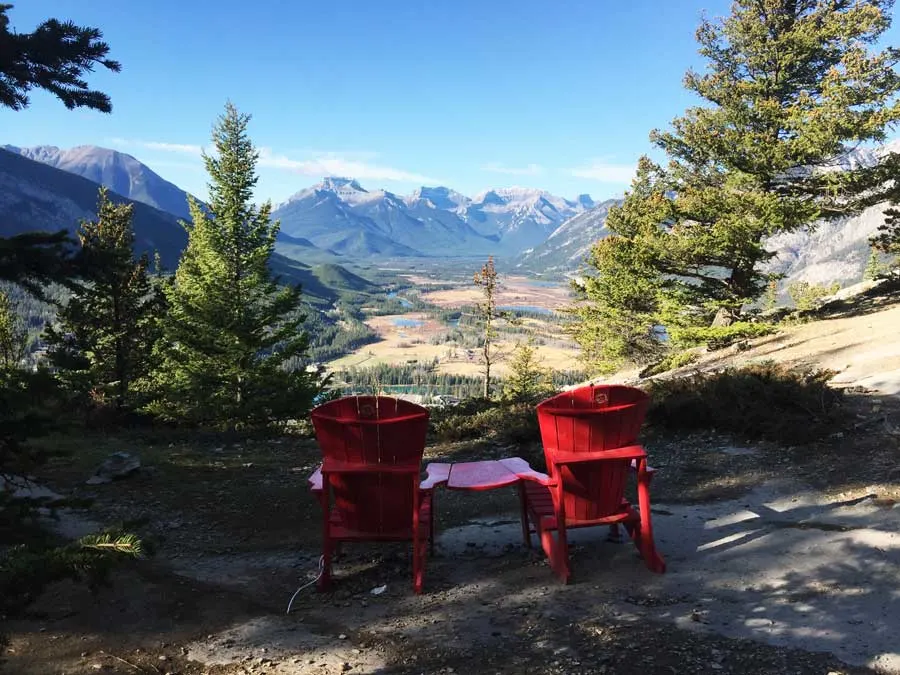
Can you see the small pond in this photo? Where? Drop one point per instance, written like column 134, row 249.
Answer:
column 408, row 323
column 526, row 308
column 402, row 301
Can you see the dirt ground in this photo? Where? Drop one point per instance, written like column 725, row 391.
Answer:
column 235, row 532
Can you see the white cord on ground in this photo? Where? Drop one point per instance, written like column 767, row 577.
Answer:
column 309, row 583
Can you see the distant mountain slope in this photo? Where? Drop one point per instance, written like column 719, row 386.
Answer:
column 827, row 252
column 340, row 278
column 339, row 214
column 565, row 248
column 118, row 171
column 36, row 196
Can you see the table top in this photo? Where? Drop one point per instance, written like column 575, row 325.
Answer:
column 489, row 474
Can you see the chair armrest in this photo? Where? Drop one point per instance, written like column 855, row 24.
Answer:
column 632, row 452
column 436, row 474
column 651, row 470
column 315, row 480
column 523, row 470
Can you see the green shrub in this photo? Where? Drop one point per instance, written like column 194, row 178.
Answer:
column 806, row 296
column 670, row 362
column 501, row 422
column 719, row 337
column 760, row 401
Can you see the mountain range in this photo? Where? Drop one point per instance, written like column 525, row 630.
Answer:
column 121, row 173
column 339, row 215
column 37, row 196
column 338, row 220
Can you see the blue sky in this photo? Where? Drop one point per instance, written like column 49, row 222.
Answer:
column 396, row 93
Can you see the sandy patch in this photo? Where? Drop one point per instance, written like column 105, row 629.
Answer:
column 513, row 291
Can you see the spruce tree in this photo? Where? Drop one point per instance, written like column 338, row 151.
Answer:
column 527, row 379
column 106, row 330
column 486, row 316
column 887, row 239
column 230, row 327
column 790, row 87
column 53, row 57
column 617, row 312
column 874, row 267
column 13, row 336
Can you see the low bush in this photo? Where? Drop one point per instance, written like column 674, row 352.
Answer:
column 670, row 362
column 501, row 422
column 807, row 296
column 719, row 337
column 769, row 401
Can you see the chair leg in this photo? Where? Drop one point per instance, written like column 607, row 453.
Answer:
column 431, row 526
column 614, row 535
column 327, row 544
column 418, row 565
column 644, row 538
column 523, row 505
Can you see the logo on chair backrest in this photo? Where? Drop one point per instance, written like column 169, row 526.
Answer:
column 601, row 398
column 367, row 411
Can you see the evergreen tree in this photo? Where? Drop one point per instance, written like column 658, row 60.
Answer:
column 874, row 266
column 887, row 240
column 230, row 327
column 791, row 85
column 486, row 316
column 53, row 57
column 13, row 336
column 617, row 312
column 771, row 299
column 106, row 330
column 527, row 379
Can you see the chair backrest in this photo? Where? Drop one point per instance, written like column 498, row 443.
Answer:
column 372, row 432
column 590, row 419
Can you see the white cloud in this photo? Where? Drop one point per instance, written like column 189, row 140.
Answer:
column 349, row 164
column 333, row 164
column 497, row 167
column 606, row 172
column 179, row 148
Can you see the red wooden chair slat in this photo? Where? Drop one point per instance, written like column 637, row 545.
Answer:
column 372, row 449
column 589, row 436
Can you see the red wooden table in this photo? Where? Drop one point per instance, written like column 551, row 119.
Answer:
column 488, row 475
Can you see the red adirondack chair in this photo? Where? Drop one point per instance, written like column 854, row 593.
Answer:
column 372, row 449
column 590, row 444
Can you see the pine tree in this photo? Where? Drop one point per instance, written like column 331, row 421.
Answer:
column 230, row 327
column 771, row 299
column 487, row 315
column 874, row 266
column 618, row 310
column 106, row 330
column 53, row 57
column 13, row 336
column 527, row 378
column 790, row 86
column 887, row 240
